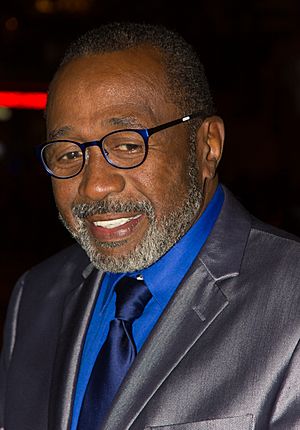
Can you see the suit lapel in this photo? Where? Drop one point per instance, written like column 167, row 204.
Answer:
column 187, row 316
column 193, row 308
column 78, row 307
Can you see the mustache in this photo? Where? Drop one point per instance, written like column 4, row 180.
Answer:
column 87, row 209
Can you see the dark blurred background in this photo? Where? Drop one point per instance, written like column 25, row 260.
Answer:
column 251, row 50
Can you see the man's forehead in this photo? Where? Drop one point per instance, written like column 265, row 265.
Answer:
column 132, row 96
column 123, row 78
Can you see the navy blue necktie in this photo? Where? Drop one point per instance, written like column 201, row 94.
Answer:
column 116, row 354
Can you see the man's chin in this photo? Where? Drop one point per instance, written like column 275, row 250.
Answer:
column 113, row 261
column 100, row 246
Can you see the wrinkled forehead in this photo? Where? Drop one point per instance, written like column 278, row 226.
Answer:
column 98, row 82
column 140, row 66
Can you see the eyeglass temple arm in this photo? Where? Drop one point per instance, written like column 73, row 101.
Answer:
column 175, row 122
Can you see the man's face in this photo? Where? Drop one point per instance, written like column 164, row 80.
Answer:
column 124, row 219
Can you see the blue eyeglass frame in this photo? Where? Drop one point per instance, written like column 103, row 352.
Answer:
column 145, row 133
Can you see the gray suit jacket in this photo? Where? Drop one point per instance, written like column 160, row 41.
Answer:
column 223, row 356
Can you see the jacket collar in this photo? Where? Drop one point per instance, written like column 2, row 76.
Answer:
column 223, row 252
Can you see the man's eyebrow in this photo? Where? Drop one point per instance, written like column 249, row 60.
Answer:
column 127, row 121
column 58, row 132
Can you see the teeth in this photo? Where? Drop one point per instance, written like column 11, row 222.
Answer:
column 112, row 223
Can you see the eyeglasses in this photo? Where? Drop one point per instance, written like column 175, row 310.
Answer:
column 124, row 149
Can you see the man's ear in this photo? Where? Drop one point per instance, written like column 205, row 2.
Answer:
column 210, row 140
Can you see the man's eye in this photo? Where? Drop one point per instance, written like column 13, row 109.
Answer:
column 69, row 156
column 128, row 147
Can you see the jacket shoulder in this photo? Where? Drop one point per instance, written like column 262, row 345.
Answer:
column 72, row 259
column 271, row 230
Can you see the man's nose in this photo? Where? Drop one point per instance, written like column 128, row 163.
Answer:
column 99, row 179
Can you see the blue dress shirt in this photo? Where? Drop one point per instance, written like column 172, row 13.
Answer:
column 162, row 278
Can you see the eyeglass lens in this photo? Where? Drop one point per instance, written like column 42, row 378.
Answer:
column 125, row 149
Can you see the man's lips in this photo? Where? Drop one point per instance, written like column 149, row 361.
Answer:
column 114, row 229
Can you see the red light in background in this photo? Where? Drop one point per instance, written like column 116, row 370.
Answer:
column 23, row 100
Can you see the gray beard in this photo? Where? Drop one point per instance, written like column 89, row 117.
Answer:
column 160, row 237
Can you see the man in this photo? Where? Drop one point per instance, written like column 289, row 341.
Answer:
column 133, row 149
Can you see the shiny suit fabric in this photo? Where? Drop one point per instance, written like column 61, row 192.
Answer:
column 223, row 356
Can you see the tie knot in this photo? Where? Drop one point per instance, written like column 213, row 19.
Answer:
column 132, row 297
